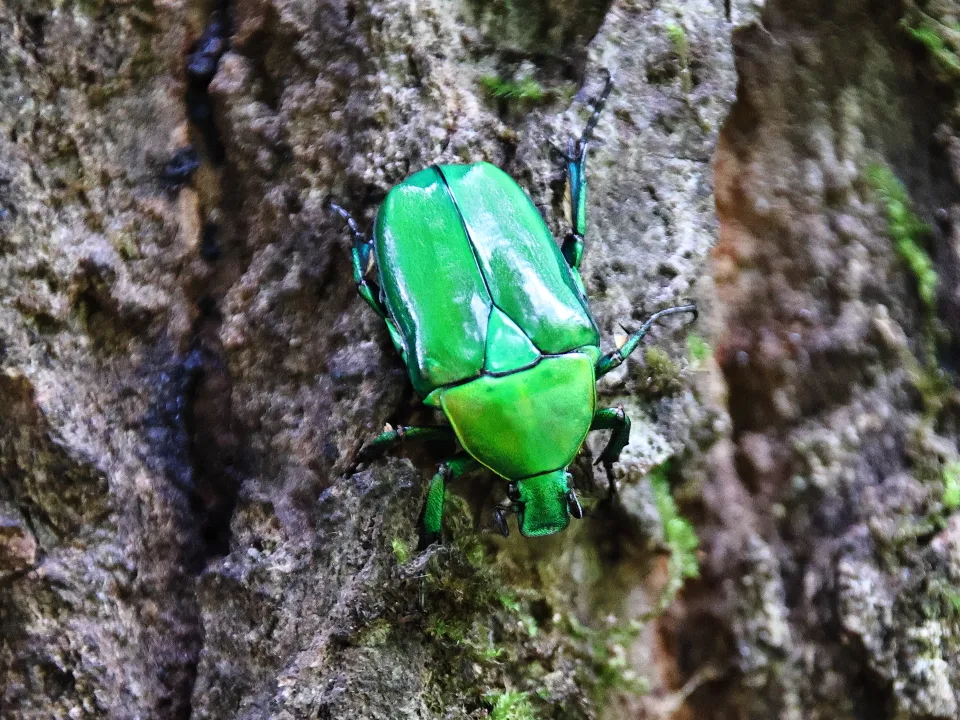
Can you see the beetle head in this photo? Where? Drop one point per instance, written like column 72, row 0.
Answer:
column 544, row 503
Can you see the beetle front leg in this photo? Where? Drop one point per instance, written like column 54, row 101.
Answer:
column 431, row 519
column 361, row 255
column 614, row 359
column 575, row 160
column 617, row 420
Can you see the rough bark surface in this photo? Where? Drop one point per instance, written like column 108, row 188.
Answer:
column 188, row 373
column 832, row 575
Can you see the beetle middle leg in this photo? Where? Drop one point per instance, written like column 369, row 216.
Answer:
column 393, row 437
column 575, row 161
column 431, row 519
column 614, row 359
column 617, row 420
column 362, row 256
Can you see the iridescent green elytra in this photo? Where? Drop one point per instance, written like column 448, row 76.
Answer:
column 492, row 322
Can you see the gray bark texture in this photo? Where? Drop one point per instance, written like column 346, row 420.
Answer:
column 188, row 373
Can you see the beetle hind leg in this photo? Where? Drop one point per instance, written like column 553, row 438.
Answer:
column 431, row 518
column 362, row 256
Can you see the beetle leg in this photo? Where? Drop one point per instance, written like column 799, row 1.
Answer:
column 617, row 420
column 500, row 521
column 431, row 519
column 394, row 436
column 614, row 359
column 598, row 105
column 575, row 160
column 362, row 256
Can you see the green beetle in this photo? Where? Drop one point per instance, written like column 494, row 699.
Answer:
column 491, row 320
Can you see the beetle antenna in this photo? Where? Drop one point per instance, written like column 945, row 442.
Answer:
column 614, row 359
column 691, row 307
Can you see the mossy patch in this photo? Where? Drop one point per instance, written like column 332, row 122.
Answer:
column 662, row 376
column 451, row 630
column 679, row 535
column 953, row 598
column 515, row 651
column 951, row 486
column 606, row 657
column 510, row 705
column 522, row 92
column 698, row 349
column 941, row 39
column 907, row 231
column 375, row 634
column 680, row 44
column 400, row 550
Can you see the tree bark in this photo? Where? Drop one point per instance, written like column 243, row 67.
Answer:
column 188, row 373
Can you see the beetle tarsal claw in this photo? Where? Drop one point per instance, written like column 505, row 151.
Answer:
column 500, row 522
column 573, row 505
